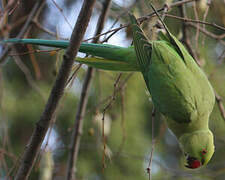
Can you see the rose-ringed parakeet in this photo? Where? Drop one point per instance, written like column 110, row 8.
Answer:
column 179, row 88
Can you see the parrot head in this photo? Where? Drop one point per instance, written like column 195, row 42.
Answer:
column 198, row 148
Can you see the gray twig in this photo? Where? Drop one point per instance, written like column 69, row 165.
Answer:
column 220, row 105
column 204, row 18
column 141, row 19
column 77, row 131
column 197, row 29
column 212, row 35
column 197, row 21
column 185, row 38
column 153, row 144
column 113, row 98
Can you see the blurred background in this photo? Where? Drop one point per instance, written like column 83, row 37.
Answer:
column 29, row 73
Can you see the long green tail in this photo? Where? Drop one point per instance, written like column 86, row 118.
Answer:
column 109, row 57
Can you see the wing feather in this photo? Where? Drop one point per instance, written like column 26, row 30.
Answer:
column 142, row 45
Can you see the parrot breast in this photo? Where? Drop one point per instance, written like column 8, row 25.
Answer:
column 179, row 90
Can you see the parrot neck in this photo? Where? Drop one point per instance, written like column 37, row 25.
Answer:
column 184, row 128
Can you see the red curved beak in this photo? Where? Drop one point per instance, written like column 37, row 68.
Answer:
column 193, row 163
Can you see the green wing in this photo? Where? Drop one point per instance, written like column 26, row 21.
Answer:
column 142, row 45
column 186, row 93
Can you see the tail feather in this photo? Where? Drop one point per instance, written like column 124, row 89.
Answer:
column 42, row 42
column 112, row 57
column 107, row 64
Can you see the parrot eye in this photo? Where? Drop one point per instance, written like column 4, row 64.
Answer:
column 204, row 152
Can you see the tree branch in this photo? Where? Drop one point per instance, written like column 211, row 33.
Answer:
column 212, row 35
column 42, row 125
column 77, row 131
column 185, row 38
column 220, row 105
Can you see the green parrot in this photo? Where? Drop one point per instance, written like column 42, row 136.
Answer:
column 180, row 91
column 179, row 88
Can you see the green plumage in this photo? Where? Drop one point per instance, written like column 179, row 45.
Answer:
column 116, row 58
column 179, row 88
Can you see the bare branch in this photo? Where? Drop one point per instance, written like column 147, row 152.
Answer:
column 197, row 29
column 203, row 30
column 220, row 105
column 77, row 131
column 113, row 98
column 144, row 18
column 61, row 11
column 204, row 18
column 42, row 125
column 185, row 37
column 153, row 144
column 197, row 21
column 121, row 86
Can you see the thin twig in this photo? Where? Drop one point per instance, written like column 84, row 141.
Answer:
column 107, row 38
column 100, row 25
column 22, row 31
column 34, row 62
column 204, row 18
column 221, row 58
column 14, row 8
column 153, row 144
column 77, row 131
column 37, row 15
column 121, row 86
column 42, row 125
column 61, row 11
column 122, row 124
column 214, row 36
column 144, row 18
column 176, row 4
column 141, row 19
column 220, row 105
column 38, row 25
column 197, row 21
column 10, row 7
column 119, row 16
column 185, row 37
column 197, row 29
column 72, row 77
column 113, row 98
column 29, row 77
